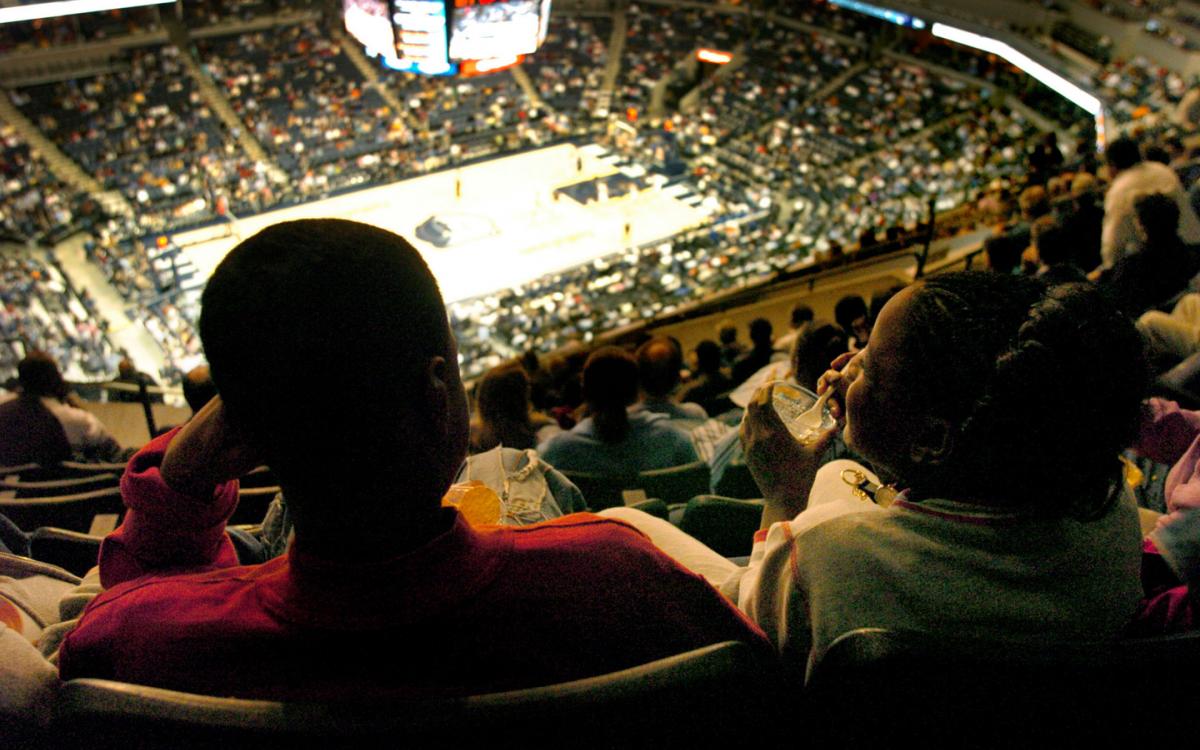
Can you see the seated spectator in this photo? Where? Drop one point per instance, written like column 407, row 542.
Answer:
column 613, row 440
column 659, row 365
column 760, row 354
column 1132, row 178
column 198, row 387
column 1055, row 252
column 1165, row 265
column 128, row 374
column 851, row 313
column 799, row 323
column 1002, row 529
column 710, row 385
column 504, row 415
column 731, row 348
column 39, row 424
column 364, row 464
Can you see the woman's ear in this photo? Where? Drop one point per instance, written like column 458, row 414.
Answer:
column 933, row 442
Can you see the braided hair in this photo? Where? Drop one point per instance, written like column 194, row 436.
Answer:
column 1042, row 387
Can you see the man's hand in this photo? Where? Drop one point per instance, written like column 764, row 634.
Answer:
column 783, row 467
column 841, row 373
column 206, row 452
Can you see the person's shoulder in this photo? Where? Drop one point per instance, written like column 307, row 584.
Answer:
column 580, row 532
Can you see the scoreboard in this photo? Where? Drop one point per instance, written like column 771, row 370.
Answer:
column 448, row 37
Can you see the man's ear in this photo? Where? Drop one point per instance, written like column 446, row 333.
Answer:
column 437, row 392
column 933, row 442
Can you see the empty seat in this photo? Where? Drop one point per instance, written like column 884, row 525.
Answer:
column 725, row 524
column 676, row 484
column 736, row 481
column 716, row 694
column 599, row 491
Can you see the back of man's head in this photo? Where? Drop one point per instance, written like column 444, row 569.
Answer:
column 848, row 310
column 801, row 314
column 659, row 363
column 760, row 333
column 38, row 375
column 1054, row 244
column 125, row 368
column 1158, row 215
column 708, row 356
column 1034, row 202
column 329, row 344
column 198, row 387
column 1122, row 154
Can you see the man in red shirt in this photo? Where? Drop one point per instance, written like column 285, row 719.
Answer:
column 329, row 345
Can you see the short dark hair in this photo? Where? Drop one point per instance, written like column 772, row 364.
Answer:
column 1123, row 153
column 659, row 362
column 708, row 356
column 1159, row 216
column 38, row 375
column 849, row 309
column 1054, row 244
column 1043, row 386
column 318, row 332
column 814, row 352
column 760, row 332
column 801, row 314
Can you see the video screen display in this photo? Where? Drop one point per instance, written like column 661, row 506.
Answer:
column 482, row 30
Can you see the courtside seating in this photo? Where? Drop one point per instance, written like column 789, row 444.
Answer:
column 73, row 512
column 713, row 696
column 874, row 687
column 725, row 524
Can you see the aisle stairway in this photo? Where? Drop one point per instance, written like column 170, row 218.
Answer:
column 61, row 165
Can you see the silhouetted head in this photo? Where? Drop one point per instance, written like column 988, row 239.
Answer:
column 801, row 314
column 659, row 362
column 760, row 333
column 813, row 352
column 371, row 435
column 708, row 356
column 1122, row 154
column 850, row 312
column 38, row 375
column 198, row 387
column 1158, row 217
column 610, row 385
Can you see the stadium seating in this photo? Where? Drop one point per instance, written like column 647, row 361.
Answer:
column 711, row 696
column 74, row 512
column 874, row 686
column 725, row 524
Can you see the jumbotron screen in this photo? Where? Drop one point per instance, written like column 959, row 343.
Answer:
column 444, row 37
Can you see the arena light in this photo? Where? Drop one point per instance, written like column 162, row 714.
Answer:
column 1031, row 67
column 713, row 56
column 70, row 8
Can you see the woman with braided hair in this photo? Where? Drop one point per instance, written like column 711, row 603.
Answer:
column 997, row 409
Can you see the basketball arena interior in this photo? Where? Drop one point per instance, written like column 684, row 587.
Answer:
column 969, row 229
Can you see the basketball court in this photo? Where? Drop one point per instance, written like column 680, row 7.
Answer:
column 506, row 224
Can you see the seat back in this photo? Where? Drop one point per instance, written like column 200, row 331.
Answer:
column 72, row 551
column 82, row 469
column 18, row 488
column 72, row 512
column 718, row 693
column 599, row 491
column 676, row 484
column 737, row 482
column 259, row 477
column 894, row 687
column 725, row 524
